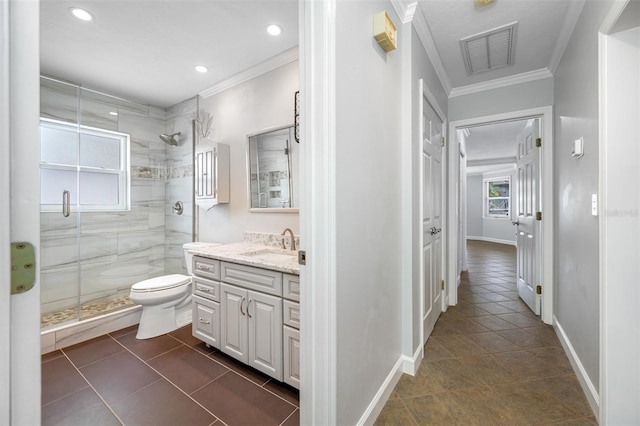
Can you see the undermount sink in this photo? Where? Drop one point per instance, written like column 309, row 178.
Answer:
column 272, row 255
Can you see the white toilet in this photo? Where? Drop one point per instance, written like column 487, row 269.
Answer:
column 165, row 300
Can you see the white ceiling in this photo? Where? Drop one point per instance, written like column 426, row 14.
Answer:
column 146, row 50
column 540, row 33
column 494, row 141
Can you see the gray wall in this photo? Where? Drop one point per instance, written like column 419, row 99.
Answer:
column 260, row 103
column 474, row 206
column 516, row 97
column 576, row 231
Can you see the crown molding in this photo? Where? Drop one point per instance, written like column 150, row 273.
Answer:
column 491, row 162
column 524, row 77
column 270, row 64
column 424, row 33
column 569, row 24
column 405, row 9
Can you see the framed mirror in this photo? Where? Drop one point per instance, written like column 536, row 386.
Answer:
column 273, row 163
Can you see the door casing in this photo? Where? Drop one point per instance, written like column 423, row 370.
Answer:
column 546, row 237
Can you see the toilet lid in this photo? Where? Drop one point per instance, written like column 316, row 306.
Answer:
column 161, row 283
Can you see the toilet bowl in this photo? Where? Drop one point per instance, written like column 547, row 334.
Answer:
column 165, row 300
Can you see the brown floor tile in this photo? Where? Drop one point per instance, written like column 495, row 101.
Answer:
column 284, row 391
column 459, row 345
column 526, row 366
column 494, row 323
column 149, row 348
column 187, row 368
column 496, row 297
column 434, row 350
column 124, row 331
column 235, row 400
column 583, row 421
column 185, row 335
column 515, row 305
column 119, row 376
column 80, row 408
column 293, row 419
column 51, row 356
column 240, row 368
column 465, row 326
column 492, row 342
column 161, row 404
column 438, row 409
column 395, row 413
column 484, row 405
column 495, row 308
column 553, row 356
column 565, row 389
column 520, row 320
column 92, row 350
column 59, row 379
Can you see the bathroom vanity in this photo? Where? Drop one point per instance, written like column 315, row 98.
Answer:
column 246, row 304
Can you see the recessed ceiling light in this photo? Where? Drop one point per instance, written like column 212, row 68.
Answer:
column 201, row 68
column 274, row 29
column 81, row 14
column 113, row 113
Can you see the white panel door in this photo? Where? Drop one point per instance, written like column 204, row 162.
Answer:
column 233, row 322
column 527, row 235
column 265, row 333
column 431, row 216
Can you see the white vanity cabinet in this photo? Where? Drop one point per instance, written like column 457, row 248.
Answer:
column 211, row 173
column 291, row 330
column 206, row 301
column 251, row 328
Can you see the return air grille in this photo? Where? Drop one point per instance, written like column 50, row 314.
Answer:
column 489, row 50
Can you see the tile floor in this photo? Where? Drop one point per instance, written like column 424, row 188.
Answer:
column 489, row 360
column 168, row 380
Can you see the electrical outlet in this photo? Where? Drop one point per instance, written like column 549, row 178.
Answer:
column 287, row 242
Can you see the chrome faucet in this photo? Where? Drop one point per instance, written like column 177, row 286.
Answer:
column 293, row 239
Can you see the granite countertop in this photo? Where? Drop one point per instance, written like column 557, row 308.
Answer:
column 257, row 255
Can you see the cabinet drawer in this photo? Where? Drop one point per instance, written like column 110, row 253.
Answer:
column 291, row 314
column 207, row 268
column 291, row 356
column 291, row 287
column 206, row 288
column 206, row 321
column 252, row 278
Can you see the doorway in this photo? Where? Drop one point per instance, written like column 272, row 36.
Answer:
column 505, row 174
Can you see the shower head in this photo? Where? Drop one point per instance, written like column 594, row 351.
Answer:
column 170, row 139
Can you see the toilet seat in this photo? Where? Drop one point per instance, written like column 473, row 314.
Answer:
column 165, row 282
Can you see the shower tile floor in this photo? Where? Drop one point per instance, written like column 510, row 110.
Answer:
column 173, row 379
column 88, row 310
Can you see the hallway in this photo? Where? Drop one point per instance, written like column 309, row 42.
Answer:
column 489, row 360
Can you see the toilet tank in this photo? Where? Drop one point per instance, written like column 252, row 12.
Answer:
column 188, row 257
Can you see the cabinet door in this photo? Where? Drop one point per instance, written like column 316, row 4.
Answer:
column 206, row 321
column 265, row 333
column 233, row 322
column 291, row 356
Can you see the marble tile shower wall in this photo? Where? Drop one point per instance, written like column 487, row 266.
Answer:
column 179, row 228
column 114, row 249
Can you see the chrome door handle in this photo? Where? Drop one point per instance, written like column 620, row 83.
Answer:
column 516, row 223
column 66, row 203
column 433, row 231
column 204, row 321
column 249, row 304
column 241, row 303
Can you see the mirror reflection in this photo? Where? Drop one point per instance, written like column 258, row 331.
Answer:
column 273, row 167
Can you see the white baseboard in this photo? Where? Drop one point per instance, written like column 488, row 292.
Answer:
column 377, row 403
column 588, row 388
column 492, row 240
column 410, row 365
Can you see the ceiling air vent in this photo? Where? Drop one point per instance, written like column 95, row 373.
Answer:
column 489, row 50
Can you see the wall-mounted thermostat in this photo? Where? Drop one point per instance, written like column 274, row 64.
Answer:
column 384, row 31
column 577, row 150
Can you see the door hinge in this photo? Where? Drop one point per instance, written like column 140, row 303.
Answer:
column 302, row 257
column 538, row 142
column 23, row 267
column 442, row 285
column 538, row 215
column 538, row 289
column 442, row 141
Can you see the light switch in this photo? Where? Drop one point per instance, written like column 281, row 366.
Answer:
column 577, row 150
column 594, row 204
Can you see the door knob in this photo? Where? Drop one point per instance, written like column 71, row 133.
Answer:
column 516, row 223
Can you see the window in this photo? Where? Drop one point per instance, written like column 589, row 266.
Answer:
column 86, row 161
column 497, row 196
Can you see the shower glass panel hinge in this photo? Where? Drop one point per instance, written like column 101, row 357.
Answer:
column 23, row 267
column 302, row 257
column 442, row 285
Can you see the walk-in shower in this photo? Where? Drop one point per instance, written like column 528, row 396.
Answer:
column 115, row 224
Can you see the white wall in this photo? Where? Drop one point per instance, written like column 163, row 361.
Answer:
column 421, row 68
column 368, row 220
column 263, row 102
column 516, row 97
column 474, row 205
column 576, row 231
